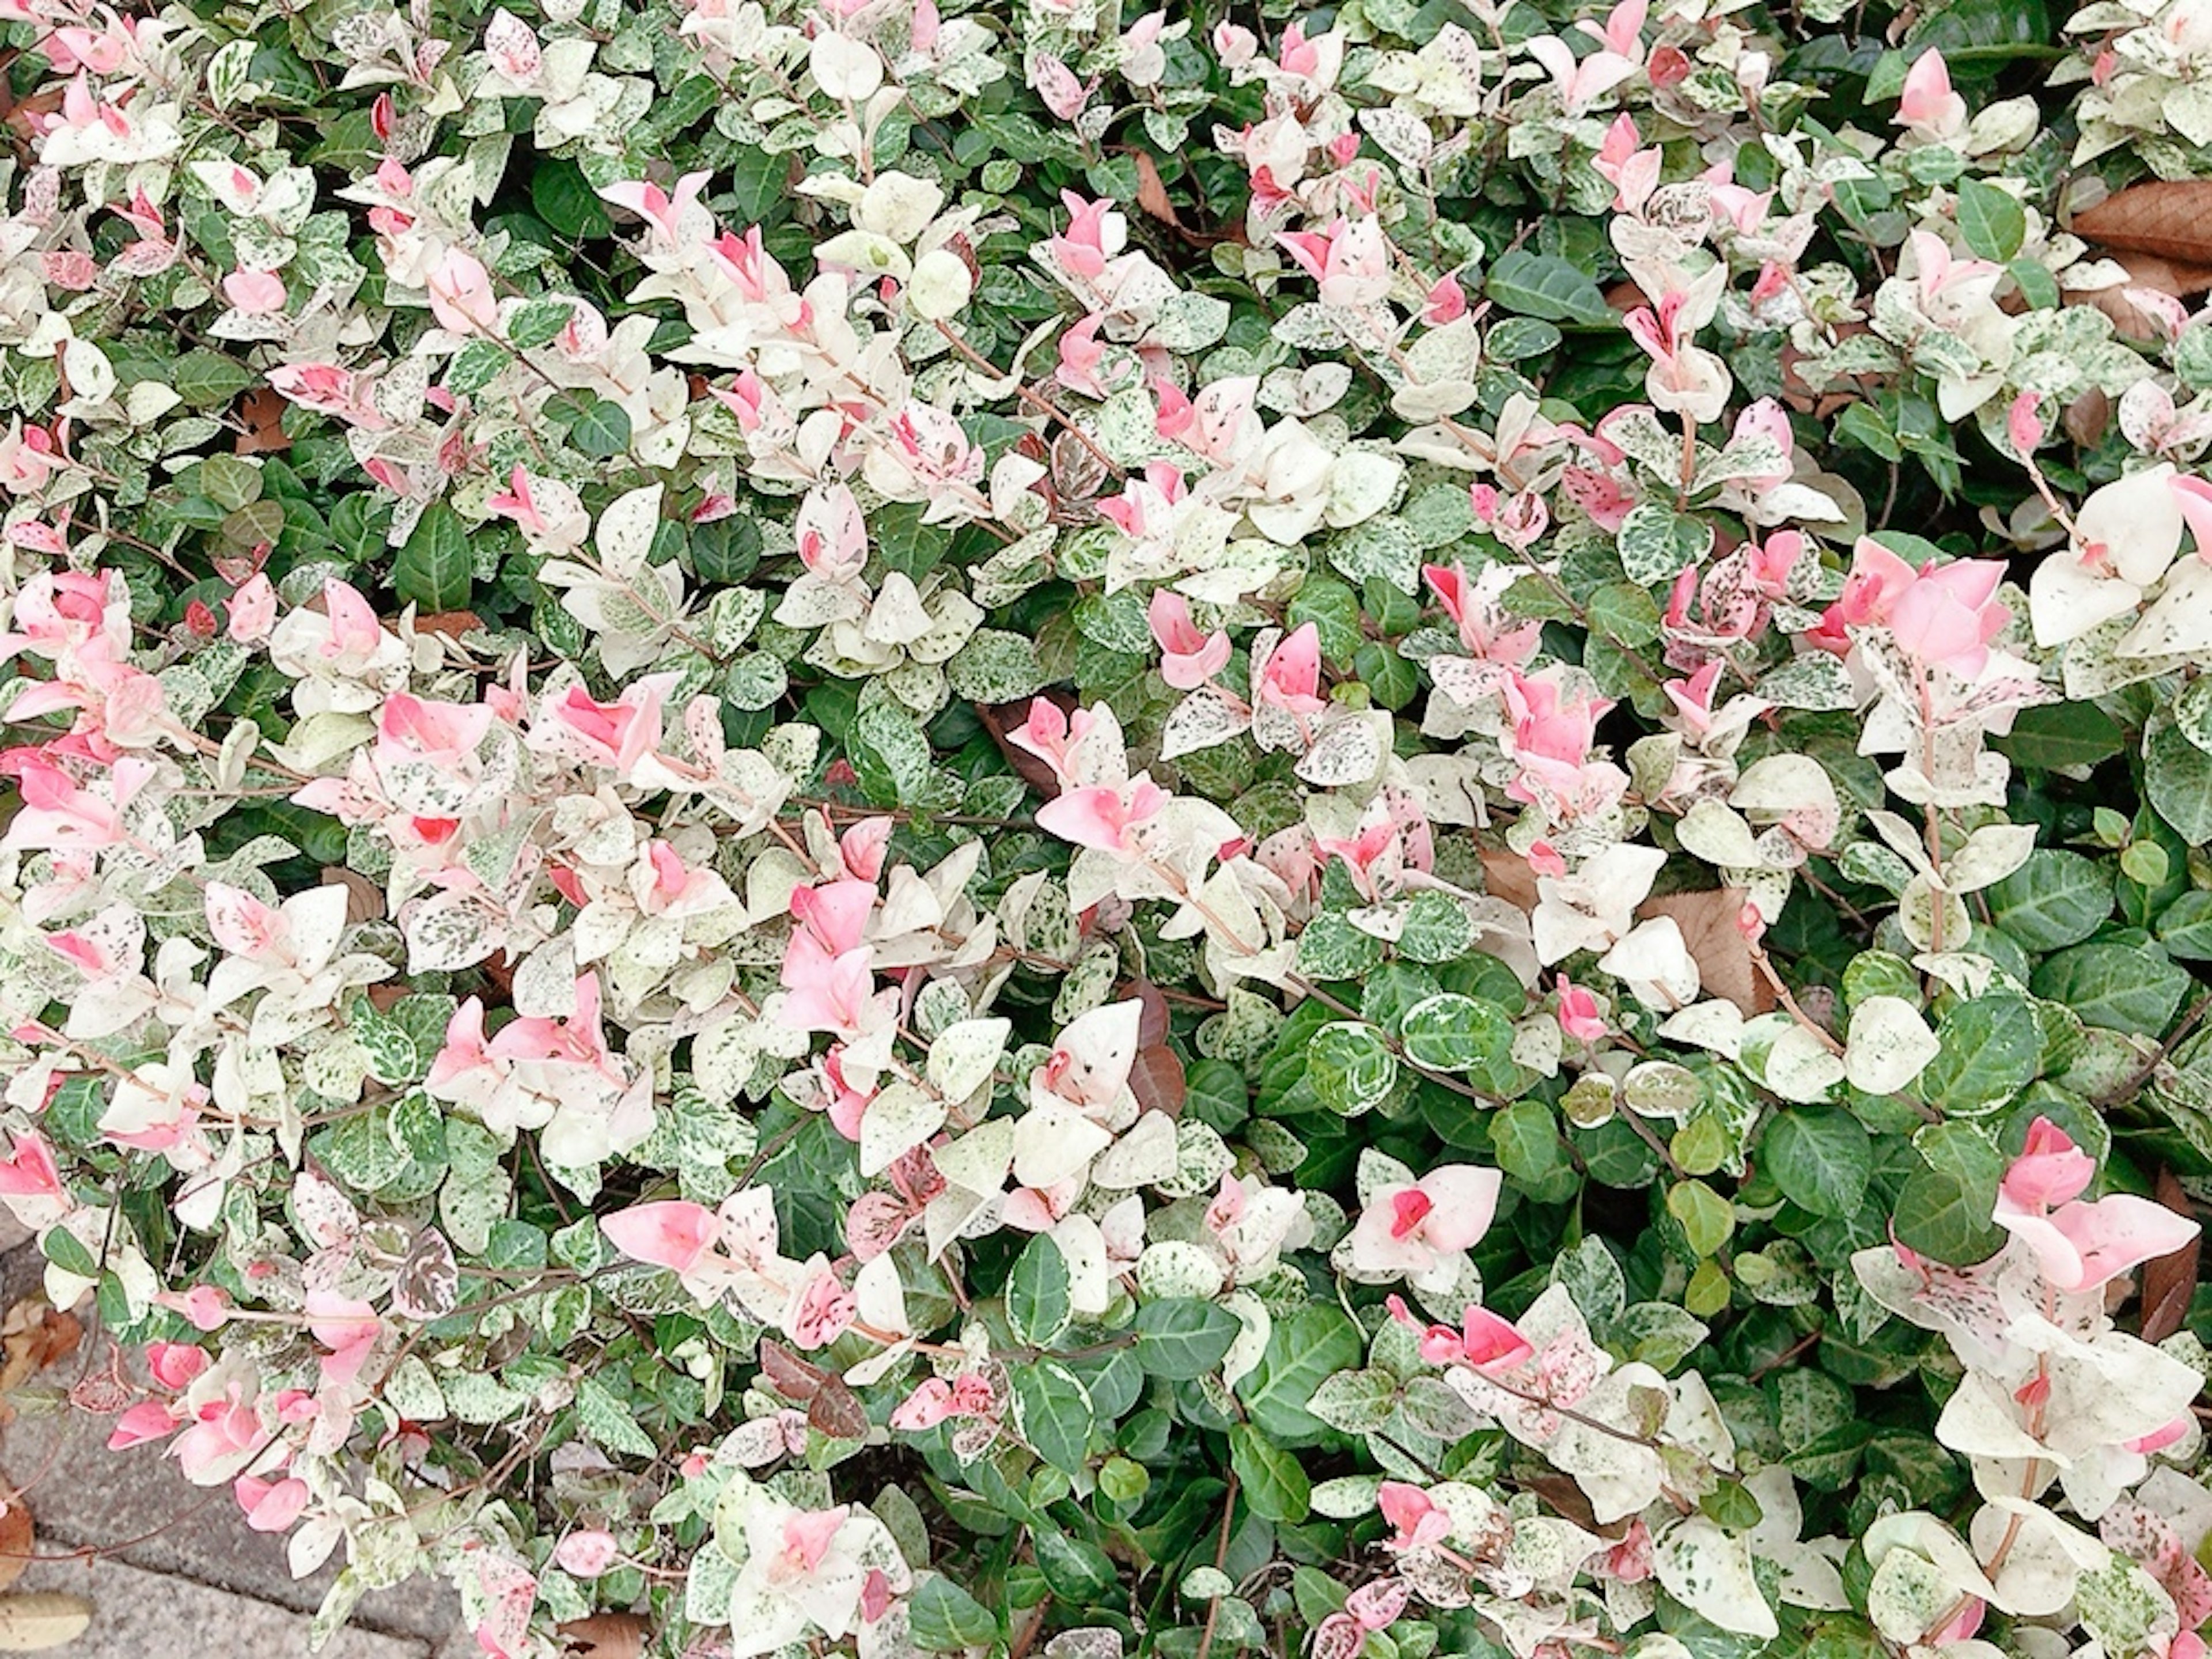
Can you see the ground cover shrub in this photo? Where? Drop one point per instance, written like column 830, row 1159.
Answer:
column 1383, row 831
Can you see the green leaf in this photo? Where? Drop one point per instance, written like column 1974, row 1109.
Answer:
column 609, row 1421
column 602, row 431
column 2054, row 900
column 1947, row 1202
column 2184, row 927
column 1182, row 1338
column 2125, row 987
column 67, row 1251
column 944, row 1618
column 1053, row 1410
column 1449, row 1032
column 207, row 379
column 1939, row 1215
column 1706, row 1217
column 2064, row 734
column 1303, row 1347
column 536, row 324
column 1349, row 1067
column 1437, row 928
column 433, row 569
column 1821, row 1158
column 1331, row 948
column 2036, row 284
column 1731, row 1506
column 2178, row 776
column 1526, row 1137
column 1987, row 1051
column 1863, row 424
column 1273, row 1483
column 565, row 200
column 1657, row 543
column 1544, row 286
column 1992, row 221
column 1036, row 1293
column 759, row 181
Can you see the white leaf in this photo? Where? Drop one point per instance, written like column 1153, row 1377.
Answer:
column 1718, row 834
column 1054, row 1142
column 1349, row 750
column 1799, row 1066
column 961, row 1057
column 1991, row 854
column 896, row 1122
column 1145, row 1154
column 2179, row 620
column 1890, row 1045
column 1206, row 717
column 626, row 530
column 1710, row 1573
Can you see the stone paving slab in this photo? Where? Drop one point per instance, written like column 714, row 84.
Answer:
column 179, row 1546
column 141, row 1614
column 137, row 1505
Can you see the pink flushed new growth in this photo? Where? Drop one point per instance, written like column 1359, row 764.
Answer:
column 1189, row 658
column 1420, row 1520
column 1943, row 615
column 1928, row 107
column 1349, row 260
column 2080, row 1246
column 1551, row 741
column 1414, row 1230
column 1290, row 680
column 1104, row 818
column 1484, row 1341
column 1094, row 233
column 1485, row 628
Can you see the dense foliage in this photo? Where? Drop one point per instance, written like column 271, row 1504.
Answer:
column 1027, row 830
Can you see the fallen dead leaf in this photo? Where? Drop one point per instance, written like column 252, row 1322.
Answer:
column 1506, row 875
column 2169, row 1283
column 1723, row 958
column 2148, row 274
column 16, row 1537
column 1157, row 1080
column 605, row 1636
column 1153, row 193
column 33, row 1336
column 2172, row 220
column 364, row 898
column 263, row 412
column 34, row 1620
column 451, row 624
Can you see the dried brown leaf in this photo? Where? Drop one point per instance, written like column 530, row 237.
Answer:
column 2172, row 220
column 837, row 1410
column 364, row 897
column 1724, row 956
column 1506, row 875
column 32, row 1337
column 263, row 412
column 607, row 1636
column 1152, row 192
column 2130, row 306
column 1157, row 1081
column 451, row 623
column 16, row 1537
column 34, row 1620
column 788, row 1374
column 2169, row 1283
